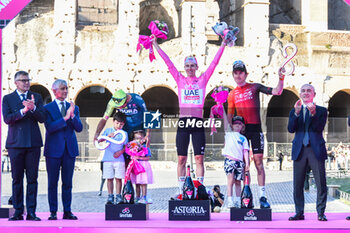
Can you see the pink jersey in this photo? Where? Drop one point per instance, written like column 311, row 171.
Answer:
column 191, row 90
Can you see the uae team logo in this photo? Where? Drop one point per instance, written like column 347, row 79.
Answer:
column 151, row 120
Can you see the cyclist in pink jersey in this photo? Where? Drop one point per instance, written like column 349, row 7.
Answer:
column 244, row 99
column 191, row 95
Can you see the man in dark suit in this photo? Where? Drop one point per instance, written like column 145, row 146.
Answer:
column 307, row 121
column 348, row 218
column 22, row 110
column 61, row 147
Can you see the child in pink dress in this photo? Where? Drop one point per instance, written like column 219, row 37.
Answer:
column 143, row 179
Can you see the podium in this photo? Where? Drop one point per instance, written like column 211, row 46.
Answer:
column 242, row 214
column 189, row 210
column 6, row 211
column 126, row 212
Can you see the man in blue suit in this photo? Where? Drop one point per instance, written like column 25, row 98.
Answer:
column 22, row 110
column 61, row 147
column 307, row 121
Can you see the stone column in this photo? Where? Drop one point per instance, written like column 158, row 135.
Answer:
column 63, row 51
column 314, row 15
column 193, row 29
column 127, row 38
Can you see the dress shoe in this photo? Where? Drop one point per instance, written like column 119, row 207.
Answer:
column 16, row 217
column 32, row 217
column 263, row 203
column 53, row 215
column 322, row 217
column 297, row 217
column 70, row 216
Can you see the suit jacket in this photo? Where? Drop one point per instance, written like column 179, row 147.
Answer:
column 23, row 131
column 317, row 123
column 60, row 133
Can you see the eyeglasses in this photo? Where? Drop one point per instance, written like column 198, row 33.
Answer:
column 24, row 80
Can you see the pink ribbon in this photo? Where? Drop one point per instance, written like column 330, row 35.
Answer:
column 220, row 97
column 133, row 167
column 146, row 41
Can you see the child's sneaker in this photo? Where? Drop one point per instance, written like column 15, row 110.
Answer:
column 142, row 201
column 137, row 199
column 118, row 199
column 110, row 199
column 237, row 204
column 230, row 203
column 148, row 200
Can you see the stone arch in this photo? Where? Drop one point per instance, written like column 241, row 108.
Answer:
column 285, row 12
column 45, row 94
column 162, row 98
column 154, row 11
column 92, row 100
column 277, row 116
column 339, row 110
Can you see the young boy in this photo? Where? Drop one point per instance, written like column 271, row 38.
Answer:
column 237, row 159
column 113, row 159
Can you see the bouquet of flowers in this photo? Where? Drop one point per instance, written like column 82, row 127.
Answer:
column 135, row 149
column 220, row 95
column 159, row 29
column 227, row 33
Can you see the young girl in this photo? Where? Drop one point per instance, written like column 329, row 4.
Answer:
column 237, row 159
column 141, row 180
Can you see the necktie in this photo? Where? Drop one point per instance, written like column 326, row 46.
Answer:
column 63, row 109
column 306, row 134
column 23, row 97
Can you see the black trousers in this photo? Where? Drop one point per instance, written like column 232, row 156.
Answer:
column 308, row 158
column 24, row 160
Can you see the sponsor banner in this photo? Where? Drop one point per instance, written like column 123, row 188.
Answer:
column 190, row 210
column 242, row 214
column 127, row 212
column 10, row 8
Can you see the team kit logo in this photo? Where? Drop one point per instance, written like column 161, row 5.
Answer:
column 153, row 120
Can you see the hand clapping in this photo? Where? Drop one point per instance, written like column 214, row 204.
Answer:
column 29, row 104
column 70, row 111
column 297, row 107
column 312, row 108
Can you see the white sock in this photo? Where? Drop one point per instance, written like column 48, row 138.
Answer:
column 200, row 179
column 262, row 191
column 181, row 183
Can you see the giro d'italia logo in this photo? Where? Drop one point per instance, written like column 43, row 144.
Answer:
column 151, row 120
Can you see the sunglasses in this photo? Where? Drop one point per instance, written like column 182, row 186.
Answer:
column 117, row 100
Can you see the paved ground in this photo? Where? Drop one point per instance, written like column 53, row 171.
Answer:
column 87, row 183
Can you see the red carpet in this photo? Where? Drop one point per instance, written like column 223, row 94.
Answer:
column 158, row 222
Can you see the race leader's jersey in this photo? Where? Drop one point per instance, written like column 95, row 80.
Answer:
column 245, row 100
column 191, row 90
